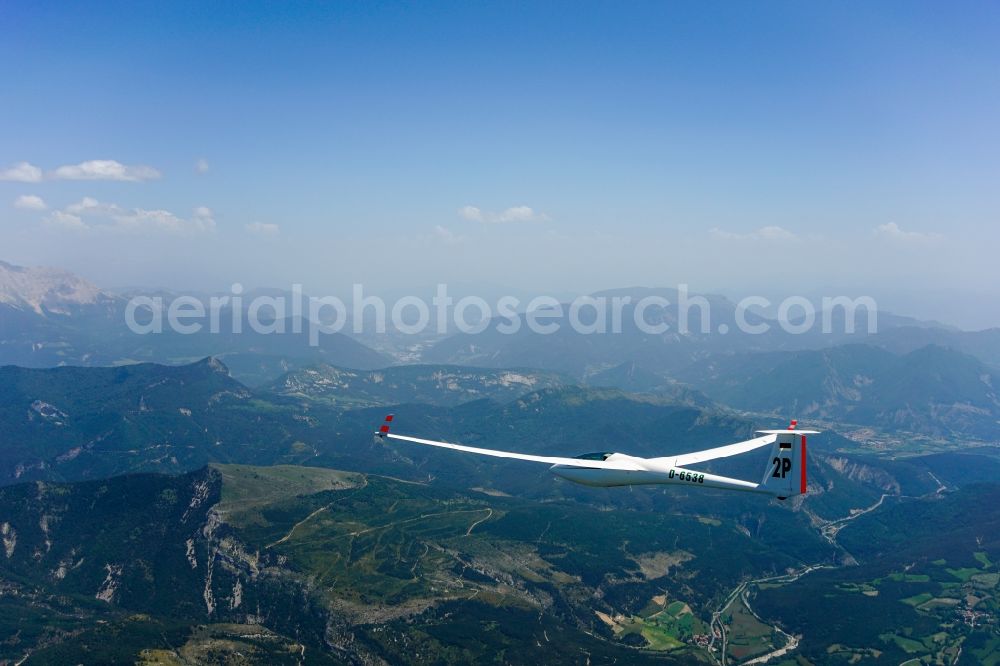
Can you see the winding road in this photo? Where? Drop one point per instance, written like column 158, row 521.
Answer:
column 829, row 530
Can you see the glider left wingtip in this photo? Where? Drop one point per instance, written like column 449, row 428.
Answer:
column 384, row 430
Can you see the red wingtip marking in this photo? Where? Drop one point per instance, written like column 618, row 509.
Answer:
column 385, row 426
column 802, row 482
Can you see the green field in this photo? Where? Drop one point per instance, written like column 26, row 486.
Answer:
column 919, row 595
column 747, row 636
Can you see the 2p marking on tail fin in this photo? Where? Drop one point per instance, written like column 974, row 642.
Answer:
column 786, row 469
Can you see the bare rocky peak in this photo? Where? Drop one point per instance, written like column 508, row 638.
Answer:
column 45, row 289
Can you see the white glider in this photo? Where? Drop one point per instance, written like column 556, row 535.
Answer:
column 784, row 477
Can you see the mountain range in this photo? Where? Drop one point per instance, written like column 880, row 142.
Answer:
column 285, row 564
column 47, row 290
column 170, row 513
column 933, row 390
column 67, row 424
column 50, row 317
column 582, row 354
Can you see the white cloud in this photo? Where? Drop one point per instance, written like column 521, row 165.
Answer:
column 512, row 214
column 65, row 220
column 140, row 219
column 769, row 233
column 203, row 219
column 521, row 214
column 30, row 202
column 447, row 236
column 892, row 232
column 201, row 166
column 263, row 230
column 22, row 172
column 110, row 217
column 91, row 206
column 470, row 213
column 104, row 170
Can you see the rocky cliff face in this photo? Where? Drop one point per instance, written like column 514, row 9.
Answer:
column 146, row 544
column 46, row 290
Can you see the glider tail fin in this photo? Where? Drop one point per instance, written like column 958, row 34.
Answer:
column 785, row 475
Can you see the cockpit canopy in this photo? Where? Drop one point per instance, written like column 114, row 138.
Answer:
column 594, row 456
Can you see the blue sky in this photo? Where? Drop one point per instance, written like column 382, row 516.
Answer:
column 782, row 147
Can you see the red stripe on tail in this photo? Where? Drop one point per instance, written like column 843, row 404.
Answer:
column 802, row 463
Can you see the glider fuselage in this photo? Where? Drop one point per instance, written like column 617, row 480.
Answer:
column 656, row 471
